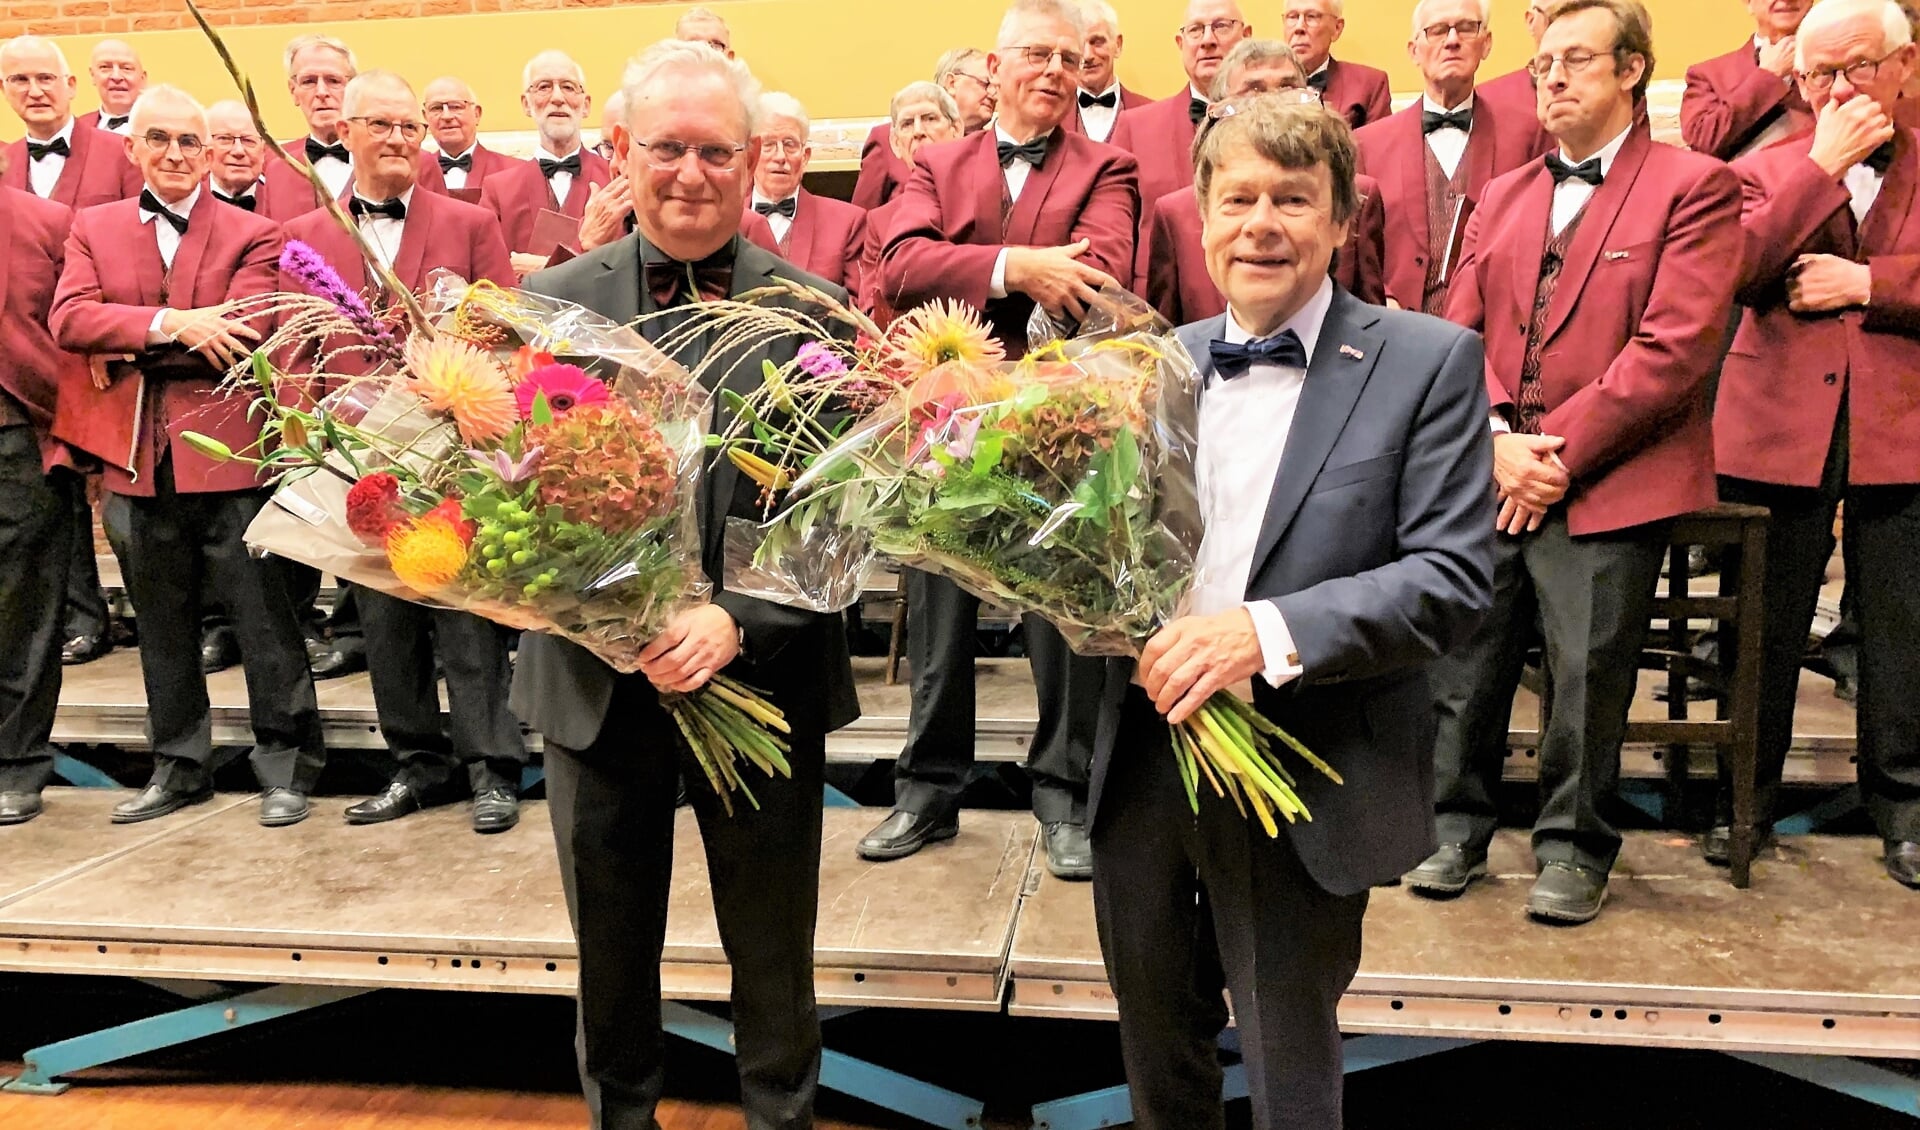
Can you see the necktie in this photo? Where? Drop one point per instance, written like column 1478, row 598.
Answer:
column 769, row 207
column 1196, row 110
column 112, row 123
column 151, row 203
column 394, row 209
column 1318, row 80
column 1110, row 99
column 317, row 149
column 1587, row 170
column 1880, row 159
column 249, row 202
column 1033, row 152
column 711, row 278
column 1233, row 359
column 464, row 161
column 1461, row 119
column 58, row 146
column 569, row 164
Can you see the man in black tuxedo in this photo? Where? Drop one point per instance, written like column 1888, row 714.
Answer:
column 1360, row 434
column 613, row 755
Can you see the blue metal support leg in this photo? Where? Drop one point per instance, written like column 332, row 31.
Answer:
column 1820, row 815
column 837, row 799
column 889, row 1090
column 45, row 1064
column 76, row 772
column 1862, row 1081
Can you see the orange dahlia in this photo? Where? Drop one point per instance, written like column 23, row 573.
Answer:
column 453, row 377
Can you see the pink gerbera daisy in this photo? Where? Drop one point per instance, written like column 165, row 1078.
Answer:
column 566, row 387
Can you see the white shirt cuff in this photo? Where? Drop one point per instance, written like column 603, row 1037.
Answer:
column 155, row 335
column 1498, row 423
column 997, row 286
column 1276, row 643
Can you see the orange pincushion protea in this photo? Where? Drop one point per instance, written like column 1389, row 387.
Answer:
column 605, row 465
column 427, row 554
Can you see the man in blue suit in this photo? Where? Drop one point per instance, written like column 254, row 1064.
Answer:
column 1336, row 564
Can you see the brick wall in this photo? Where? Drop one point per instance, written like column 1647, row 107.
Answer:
column 112, row 17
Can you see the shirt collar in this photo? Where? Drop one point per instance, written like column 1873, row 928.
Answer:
column 404, row 198
column 1321, row 69
column 762, row 198
column 250, row 190
column 64, row 133
column 1000, row 134
column 1607, row 153
column 467, row 152
column 336, row 141
column 182, row 208
column 1427, row 103
column 1113, row 88
column 1193, row 92
column 1306, row 321
column 543, row 154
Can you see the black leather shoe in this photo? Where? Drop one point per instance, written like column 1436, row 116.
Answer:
column 495, row 809
column 1716, row 847
column 329, row 662
column 1447, row 872
column 1903, row 862
column 395, row 801
column 1567, row 894
column 281, row 807
column 84, row 649
column 157, row 800
column 19, row 807
column 1069, row 854
column 218, row 651
column 903, row 833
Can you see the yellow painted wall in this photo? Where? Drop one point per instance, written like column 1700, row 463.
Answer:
column 842, row 58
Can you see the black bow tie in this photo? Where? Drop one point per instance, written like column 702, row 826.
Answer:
column 1880, row 159
column 151, row 203
column 569, row 164
column 248, row 201
column 769, row 207
column 1233, row 359
column 1033, row 152
column 1110, row 99
column 1461, row 119
column 317, row 149
column 394, row 209
column 1587, row 170
column 58, row 146
column 464, row 162
column 1196, row 110
column 1318, row 80
column 711, row 279
column 113, row 123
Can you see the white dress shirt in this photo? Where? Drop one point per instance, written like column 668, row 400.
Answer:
column 126, row 123
column 1242, row 435
column 457, row 178
column 779, row 223
column 1099, row 121
column 43, row 174
column 384, row 232
column 1448, row 145
column 1016, row 173
column 560, row 183
column 1571, row 195
column 1863, row 184
column 169, row 244
column 334, row 173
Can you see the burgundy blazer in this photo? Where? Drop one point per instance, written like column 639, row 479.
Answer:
column 1512, row 96
column 943, row 239
column 108, row 295
column 440, row 232
column 1359, row 93
column 1781, row 387
column 873, row 242
column 517, row 194
column 1129, row 100
column 1634, row 328
column 825, row 238
column 97, row 170
column 1179, row 286
column 1729, row 100
column 1394, row 150
column 485, row 164
column 33, row 237
column 1160, row 137
column 881, row 173
column 91, row 119
column 285, row 192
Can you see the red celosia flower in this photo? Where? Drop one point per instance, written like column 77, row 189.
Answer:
column 373, row 507
column 449, row 512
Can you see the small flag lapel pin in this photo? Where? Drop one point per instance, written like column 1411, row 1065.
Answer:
column 1350, row 351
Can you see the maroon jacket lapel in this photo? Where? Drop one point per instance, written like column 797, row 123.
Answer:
column 989, row 184
column 1033, row 194
column 67, row 189
column 803, row 232
column 1888, row 216
column 187, row 258
column 1529, row 244
column 1596, row 224
column 1410, row 150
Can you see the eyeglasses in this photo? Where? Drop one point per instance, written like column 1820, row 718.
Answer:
column 1857, row 74
column 604, row 148
column 116, row 68
column 719, row 45
column 245, row 141
column 789, row 146
column 1198, row 29
column 311, row 81
column 1574, row 61
column 546, row 86
column 1038, row 56
column 985, row 83
column 435, row 109
column 159, row 141
column 667, row 154
column 1295, row 95
column 380, row 128
column 43, row 80
column 1308, row 19
column 1466, row 28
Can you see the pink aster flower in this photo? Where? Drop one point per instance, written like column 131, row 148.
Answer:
column 819, row 361
column 566, row 387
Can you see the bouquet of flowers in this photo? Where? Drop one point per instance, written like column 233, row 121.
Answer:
column 1062, row 484
column 514, row 456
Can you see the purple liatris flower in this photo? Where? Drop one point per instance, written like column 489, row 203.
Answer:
column 509, row 469
column 819, row 361
column 311, row 270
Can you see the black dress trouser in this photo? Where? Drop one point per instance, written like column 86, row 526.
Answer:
column 38, row 528
column 86, row 604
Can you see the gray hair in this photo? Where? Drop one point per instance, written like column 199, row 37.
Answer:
column 951, row 62
column 153, row 97
column 697, row 16
column 551, row 56
column 372, row 80
column 1099, row 12
column 1338, row 8
column 302, row 42
column 780, row 104
column 1897, row 30
column 1291, row 136
column 682, row 56
column 232, row 106
column 1486, row 15
column 35, row 42
column 924, row 92
column 1249, row 53
column 1020, row 11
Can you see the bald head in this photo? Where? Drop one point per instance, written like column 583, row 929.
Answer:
column 39, row 84
column 453, row 114
column 381, row 84
column 701, row 25
column 118, row 76
column 236, row 155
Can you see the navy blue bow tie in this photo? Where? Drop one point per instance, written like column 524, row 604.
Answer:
column 1233, row 359
column 1032, row 151
column 1461, row 119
